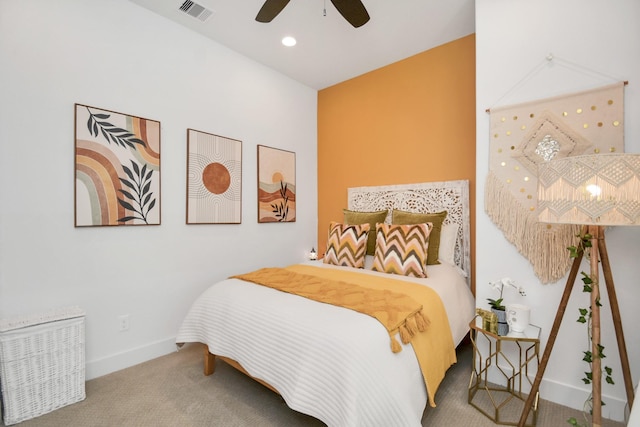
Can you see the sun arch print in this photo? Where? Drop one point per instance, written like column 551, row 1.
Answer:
column 214, row 179
column 117, row 168
column 276, row 185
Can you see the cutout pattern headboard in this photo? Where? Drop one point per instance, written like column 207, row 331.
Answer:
column 427, row 197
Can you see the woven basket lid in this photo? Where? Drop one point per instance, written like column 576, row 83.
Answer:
column 54, row 315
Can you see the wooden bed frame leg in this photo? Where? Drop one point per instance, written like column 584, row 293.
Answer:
column 209, row 361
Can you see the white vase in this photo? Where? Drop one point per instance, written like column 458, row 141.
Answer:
column 518, row 317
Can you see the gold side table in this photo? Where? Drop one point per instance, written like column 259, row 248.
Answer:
column 503, row 403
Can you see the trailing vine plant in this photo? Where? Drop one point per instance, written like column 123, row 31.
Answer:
column 584, row 247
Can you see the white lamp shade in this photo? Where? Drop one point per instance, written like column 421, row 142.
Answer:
column 600, row 189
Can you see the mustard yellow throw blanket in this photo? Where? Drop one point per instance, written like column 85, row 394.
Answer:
column 413, row 311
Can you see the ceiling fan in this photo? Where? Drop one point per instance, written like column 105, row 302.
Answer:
column 352, row 10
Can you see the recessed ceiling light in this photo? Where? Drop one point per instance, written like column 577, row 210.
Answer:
column 289, row 41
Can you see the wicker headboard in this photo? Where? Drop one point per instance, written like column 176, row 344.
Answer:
column 452, row 196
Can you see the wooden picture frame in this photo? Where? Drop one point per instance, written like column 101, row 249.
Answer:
column 214, row 179
column 276, row 185
column 117, row 169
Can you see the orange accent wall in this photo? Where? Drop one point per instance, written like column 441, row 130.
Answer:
column 411, row 121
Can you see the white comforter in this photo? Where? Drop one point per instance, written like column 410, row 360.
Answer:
column 329, row 362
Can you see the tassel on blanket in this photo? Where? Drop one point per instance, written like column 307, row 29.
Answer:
column 412, row 325
column 405, row 335
column 421, row 321
column 395, row 345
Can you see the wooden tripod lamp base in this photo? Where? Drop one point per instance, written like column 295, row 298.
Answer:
column 598, row 253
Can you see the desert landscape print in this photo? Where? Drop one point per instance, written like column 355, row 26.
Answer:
column 276, row 185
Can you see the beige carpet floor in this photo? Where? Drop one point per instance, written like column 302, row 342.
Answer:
column 172, row 391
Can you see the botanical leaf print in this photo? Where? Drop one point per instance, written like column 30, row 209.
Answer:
column 141, row 200
column 281, row 210
column 122, row 137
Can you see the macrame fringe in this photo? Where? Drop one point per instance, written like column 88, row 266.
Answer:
column 545, row 247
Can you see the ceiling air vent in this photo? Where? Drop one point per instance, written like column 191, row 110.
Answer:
column 195, row 10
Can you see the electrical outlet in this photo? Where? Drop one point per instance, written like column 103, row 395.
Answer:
column 123, row 323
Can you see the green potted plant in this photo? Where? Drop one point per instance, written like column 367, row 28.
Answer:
column 496, row 304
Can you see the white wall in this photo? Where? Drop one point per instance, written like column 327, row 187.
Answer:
column 603, row 40
column 118, row 56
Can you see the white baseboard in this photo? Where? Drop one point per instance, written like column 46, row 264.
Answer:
column 115, row 362
column 574, row 397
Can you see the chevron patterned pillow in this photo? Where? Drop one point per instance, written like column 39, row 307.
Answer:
column 402, row 249
column 404, row 218
column 347, row 245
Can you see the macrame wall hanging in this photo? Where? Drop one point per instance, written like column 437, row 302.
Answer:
column 526, row 134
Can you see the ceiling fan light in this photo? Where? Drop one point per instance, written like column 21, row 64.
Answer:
column 289, row 41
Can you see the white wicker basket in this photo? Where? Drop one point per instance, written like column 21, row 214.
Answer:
column 42, row 365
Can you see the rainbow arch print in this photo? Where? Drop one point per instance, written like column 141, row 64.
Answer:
column 117, row 165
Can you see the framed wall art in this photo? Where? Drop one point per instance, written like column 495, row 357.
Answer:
column 276, row 185
column 117, row 168
column 214, row 179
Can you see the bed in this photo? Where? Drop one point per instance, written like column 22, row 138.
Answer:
column 337, row 364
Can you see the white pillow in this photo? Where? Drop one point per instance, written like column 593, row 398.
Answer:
column 448, row 236
column 368, row 262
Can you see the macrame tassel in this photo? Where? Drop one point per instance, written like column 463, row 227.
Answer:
column 545, row 247
column 395, row 345
column 405, row 335
column 421, row 321
column 554, row 261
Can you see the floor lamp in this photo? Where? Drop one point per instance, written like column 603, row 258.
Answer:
column 594, row 191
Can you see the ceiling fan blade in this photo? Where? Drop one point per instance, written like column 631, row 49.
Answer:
column 270, row 9
column 353, row 11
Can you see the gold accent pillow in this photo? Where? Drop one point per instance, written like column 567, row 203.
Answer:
column 404, row 217
column 371, row 218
